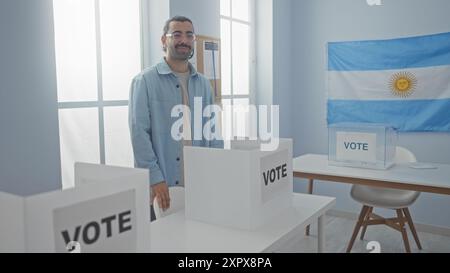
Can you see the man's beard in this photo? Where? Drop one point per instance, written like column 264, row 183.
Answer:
column 182, row 56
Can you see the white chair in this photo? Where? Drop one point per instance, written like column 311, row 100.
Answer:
column 176, row 195
column 398, row 200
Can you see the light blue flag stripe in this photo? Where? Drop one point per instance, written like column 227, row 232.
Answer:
column 414, row 52
column 406, row 116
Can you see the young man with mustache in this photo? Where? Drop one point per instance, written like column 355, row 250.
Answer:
column 154, row 93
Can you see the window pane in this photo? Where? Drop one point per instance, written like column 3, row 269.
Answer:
column 118, row 149
column 241, row 57
column 241, row 117
column 227, row 125
column 121, row 51
column 240, row 9
column 225, row 7
column 79, row 140
column 225, row 35
column 75, row 44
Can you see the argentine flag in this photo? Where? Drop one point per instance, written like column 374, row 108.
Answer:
column 402, row 82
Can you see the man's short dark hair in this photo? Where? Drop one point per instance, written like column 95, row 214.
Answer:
column 175, row 19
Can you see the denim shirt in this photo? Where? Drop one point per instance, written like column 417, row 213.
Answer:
column 154, row 92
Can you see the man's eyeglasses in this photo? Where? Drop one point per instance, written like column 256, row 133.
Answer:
column 178, row 35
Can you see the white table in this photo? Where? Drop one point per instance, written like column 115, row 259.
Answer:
column 174, row 233
column 400, row 176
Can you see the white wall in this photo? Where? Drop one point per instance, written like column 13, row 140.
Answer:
column 315, row 22
column 29, row 141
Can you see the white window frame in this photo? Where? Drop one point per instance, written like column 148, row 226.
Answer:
column 252, row 52
column 101, row 104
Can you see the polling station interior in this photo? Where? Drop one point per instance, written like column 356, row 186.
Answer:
column 334, row 114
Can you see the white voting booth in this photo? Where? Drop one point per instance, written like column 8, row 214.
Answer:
column 106, row 211
column 242, row 187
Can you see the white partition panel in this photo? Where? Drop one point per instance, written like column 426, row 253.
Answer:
column 107, row 211
column 242, row 187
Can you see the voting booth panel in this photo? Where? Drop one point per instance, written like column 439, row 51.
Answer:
column 365, row 145
column 102, row 213
column 86, row 173
column 242, row 187
column 12, row 223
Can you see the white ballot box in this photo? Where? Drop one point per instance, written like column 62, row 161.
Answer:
column 242, row 187
column 363, row 145
column 107, row 211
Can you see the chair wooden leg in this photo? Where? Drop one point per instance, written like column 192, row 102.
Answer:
column 411, row 226
column 310, row 191
column 367, row 218
column 361, row 217
column 401, row 221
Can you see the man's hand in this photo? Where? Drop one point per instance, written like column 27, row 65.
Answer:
column 160, row 191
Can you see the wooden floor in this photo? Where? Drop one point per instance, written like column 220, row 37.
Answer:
column 339, row 230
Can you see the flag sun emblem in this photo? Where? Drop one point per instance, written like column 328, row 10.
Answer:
column 403, row 84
